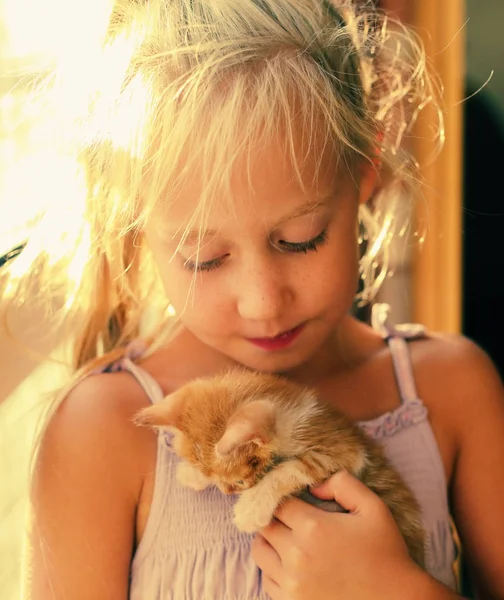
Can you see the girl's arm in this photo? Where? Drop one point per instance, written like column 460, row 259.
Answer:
column 87, row 482
column 476, row 411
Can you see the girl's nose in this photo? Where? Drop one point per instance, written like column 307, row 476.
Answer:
column 263, row 294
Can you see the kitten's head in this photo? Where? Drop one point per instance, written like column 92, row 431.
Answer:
column 228, row 432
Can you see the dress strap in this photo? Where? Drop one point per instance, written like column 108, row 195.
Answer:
column 396, row 338
column 135, row 350
column 403, row 369
column 150, row 386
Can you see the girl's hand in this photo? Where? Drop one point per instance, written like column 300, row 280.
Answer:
column 306, row 553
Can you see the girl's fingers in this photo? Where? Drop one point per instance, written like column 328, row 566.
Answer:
column 294, row 513
column 266, row 558
column 348, row 491
column 278, row 535
column 272, row 588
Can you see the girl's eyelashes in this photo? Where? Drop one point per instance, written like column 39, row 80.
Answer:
column 208, row 265
column 309, row 245
column 283, row 245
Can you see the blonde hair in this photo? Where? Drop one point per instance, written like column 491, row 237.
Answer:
column 202, row 83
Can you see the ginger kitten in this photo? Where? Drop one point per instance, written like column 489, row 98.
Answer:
column 266, row 438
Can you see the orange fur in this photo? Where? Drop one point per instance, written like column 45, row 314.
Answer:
column 267, row 438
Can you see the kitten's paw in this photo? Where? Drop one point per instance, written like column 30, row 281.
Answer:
column 253, row 511
column 190, row 476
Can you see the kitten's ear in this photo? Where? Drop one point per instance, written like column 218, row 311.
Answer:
column 167, row 413
column 253, row 423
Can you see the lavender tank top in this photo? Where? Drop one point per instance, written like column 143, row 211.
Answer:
column 191, row 549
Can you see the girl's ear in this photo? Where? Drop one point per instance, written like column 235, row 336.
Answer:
column 254, row 423
column 369, row 181
column 167, row 413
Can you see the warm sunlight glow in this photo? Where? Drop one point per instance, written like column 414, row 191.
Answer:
column 38, row 179
column 46, row 30
column 36, row 174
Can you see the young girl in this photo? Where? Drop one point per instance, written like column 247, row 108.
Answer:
column 242, row 157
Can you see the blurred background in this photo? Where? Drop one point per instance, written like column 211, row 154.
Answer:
column 446, row 276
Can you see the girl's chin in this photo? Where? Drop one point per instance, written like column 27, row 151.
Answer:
column 275, row 359
column 272, row 362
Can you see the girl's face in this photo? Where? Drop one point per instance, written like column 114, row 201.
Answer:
column 275, row 276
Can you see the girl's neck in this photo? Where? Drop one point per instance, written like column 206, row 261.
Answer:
column 349, row 345
column 185, row 357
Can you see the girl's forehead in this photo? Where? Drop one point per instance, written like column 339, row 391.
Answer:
column 268, row 184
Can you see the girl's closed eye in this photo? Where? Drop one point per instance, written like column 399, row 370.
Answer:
column 312, row 244
column 207, row 265
column 190, row 261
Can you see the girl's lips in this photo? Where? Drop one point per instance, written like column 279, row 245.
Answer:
column 279, row 342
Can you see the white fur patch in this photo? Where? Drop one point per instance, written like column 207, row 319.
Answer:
column 361, row 464
column 255, row 507
column 190, row 476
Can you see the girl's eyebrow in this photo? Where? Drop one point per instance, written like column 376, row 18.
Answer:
column 307, row 208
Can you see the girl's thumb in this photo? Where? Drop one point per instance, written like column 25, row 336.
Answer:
column 346, row 490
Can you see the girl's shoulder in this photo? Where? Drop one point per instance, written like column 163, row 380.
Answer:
column 93, row 425
column 448, row 369
column 460, row 386
column 102, row 400
column 453, row 367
